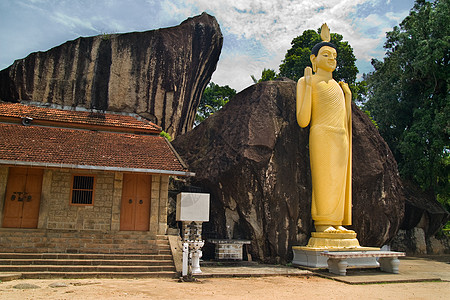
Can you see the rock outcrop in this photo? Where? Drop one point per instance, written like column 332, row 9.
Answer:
column 424, row 217
column 159, row 74
column 253, row 158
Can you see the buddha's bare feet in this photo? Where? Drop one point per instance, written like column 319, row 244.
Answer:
column 325, row 228
column 342, row 229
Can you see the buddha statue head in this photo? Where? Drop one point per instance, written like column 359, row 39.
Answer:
column 328, row 51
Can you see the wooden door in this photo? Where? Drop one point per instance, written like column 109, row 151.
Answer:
column 135, row 205
column 23, row 198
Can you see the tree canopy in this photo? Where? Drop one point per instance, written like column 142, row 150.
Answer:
column 266, row 75
column 297, row 59
column 408, row 95
column 213, row 98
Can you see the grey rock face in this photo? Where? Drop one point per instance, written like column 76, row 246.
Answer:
column 159, row 74
column 253, row 158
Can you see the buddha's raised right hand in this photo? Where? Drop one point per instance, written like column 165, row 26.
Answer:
column 308, row 75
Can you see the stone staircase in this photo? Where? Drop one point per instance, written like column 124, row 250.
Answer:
column 39, row 253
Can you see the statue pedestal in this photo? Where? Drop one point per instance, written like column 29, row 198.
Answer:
column 309, row 255
column 333, row 240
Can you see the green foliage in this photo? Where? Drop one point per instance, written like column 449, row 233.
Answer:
column 297, row 59
column 214, row 98
column 408, row 96
column 266, row 75
column 166, row 135
column 106, row 36
column 371, row 119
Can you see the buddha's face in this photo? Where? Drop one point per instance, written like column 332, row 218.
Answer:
column 326, row 59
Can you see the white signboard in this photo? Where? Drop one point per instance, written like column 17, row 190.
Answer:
column 192, row 207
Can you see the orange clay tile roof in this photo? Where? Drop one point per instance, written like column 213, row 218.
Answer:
column 48, row 146
column 72, row 117
column 85, row 149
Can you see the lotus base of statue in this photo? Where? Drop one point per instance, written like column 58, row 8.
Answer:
column 333, row 240
column 310, row 255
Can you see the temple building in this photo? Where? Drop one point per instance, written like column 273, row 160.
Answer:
column 66, row 170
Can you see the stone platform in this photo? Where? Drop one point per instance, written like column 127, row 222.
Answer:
column 311, row 257
column 387, row 260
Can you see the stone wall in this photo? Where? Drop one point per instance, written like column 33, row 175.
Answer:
column 60, row 214
column 158, row 208
column 56, row 212
column 3, row 180
column 116, row 200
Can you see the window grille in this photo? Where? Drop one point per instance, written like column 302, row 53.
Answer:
column 82, row 190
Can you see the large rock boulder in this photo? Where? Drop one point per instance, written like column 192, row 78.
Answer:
column 424, row 216
column 253, row 158
column 159, row 74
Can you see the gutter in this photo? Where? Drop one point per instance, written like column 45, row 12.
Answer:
column 95, row 168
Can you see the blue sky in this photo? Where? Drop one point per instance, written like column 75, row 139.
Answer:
column 257, row 33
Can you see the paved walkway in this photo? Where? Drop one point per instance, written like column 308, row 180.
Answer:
column 251, row 270
column 412, row 269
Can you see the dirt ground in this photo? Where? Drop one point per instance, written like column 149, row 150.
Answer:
column 255, row 288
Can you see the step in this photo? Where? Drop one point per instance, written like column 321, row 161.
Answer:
column 67, row 268
column 73, row 241
column 84, row 256
column 85, row 262
column 88, row 251
column 78, row 275
column 72, row 232
column 39, row 253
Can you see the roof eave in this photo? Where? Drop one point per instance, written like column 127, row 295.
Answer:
column 94, row 168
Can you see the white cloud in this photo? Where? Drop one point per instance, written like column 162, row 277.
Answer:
column 72, row 22
column 396, row 17
column 257, row 33
column 235, row 71
column 273, row 24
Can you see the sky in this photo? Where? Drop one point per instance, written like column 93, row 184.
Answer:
column 257, row 33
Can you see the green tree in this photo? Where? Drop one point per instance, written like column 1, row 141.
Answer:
column 297, row 59
column 408, row 96
column 213, row 98
column 266, row 75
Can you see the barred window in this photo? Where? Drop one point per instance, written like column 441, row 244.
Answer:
column 82, row 190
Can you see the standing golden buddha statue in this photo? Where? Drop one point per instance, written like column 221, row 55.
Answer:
column 325, row 105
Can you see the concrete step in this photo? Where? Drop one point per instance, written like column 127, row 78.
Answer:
column 80, row 269
column 85, row 262
column 78, row 275
column 84, row 256
column 87, row 250
column 66, row 265
column 39, row 253
column 93, row 234
column 72, row 241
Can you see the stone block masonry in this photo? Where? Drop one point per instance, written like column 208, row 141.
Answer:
column 229, row 249
column 3, row 181
column 57, row 213
column 158, row 205
column 61, row 214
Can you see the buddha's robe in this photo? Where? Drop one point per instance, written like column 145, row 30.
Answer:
column 330, row 155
